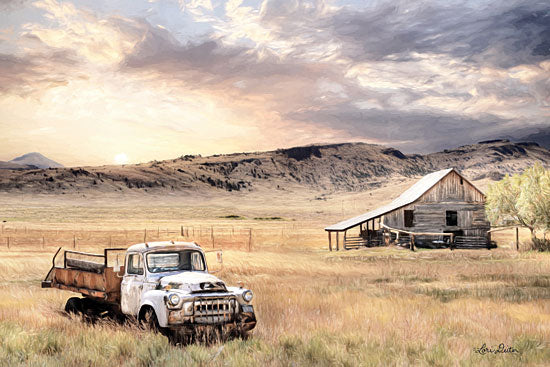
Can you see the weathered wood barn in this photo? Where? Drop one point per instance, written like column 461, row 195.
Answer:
column 443, row 209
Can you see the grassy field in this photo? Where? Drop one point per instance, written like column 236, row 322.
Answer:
column 382, row 306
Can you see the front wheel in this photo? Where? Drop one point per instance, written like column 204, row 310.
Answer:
column 74, row 306
column 149, row 320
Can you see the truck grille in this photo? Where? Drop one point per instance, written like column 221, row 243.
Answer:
column 215, row 310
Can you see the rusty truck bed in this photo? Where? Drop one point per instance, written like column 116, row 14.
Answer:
column 92, row 278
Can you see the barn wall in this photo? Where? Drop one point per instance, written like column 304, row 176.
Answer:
column 450, row 189
column 430, row 209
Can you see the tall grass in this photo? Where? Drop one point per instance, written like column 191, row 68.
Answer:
column 367, row 307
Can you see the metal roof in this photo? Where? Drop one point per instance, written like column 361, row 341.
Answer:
column 412, row 194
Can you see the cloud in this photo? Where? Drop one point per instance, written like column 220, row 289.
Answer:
column 12, row 4
column 503, row 34
column 35, row 71
column 439, row 64
column 412, row 131
column 418, row 75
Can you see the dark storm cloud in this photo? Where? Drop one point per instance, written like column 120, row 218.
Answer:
column 504, row 36
column 417, row 131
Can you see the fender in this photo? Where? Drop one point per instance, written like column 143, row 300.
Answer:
column 155, row 299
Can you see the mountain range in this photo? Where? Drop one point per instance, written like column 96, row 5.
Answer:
column 320, row 168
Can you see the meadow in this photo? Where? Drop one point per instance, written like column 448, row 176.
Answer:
column 377, row 306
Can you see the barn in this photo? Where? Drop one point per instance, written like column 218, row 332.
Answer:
column 443, row 209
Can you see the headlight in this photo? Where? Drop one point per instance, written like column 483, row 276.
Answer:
column 247, row 295
column 188, row 308
column 173, row 299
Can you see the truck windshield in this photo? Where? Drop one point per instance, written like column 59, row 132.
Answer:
column 187, row 260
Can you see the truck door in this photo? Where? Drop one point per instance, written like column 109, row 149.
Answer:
column 132, row 284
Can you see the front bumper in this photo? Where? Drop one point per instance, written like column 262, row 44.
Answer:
column 214, row 311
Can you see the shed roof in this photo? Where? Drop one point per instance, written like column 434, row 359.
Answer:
column 412, row 194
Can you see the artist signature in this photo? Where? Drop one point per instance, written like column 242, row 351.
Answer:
column 502, row 348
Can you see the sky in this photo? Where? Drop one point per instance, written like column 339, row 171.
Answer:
column 93, row 82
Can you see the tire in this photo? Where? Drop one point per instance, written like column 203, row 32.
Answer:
column 73, row 306
column 244, row 335
column 178, row 337
column 149, row 321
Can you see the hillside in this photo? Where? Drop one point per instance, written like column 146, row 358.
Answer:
column 320, row 168
column 15, row 166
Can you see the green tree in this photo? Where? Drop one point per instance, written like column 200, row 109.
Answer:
column 523, row 200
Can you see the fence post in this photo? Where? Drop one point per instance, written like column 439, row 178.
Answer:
column 74, row 241
column 8, row 241
column 43, row 242
column 212, row 235
column 517, row 238
column 145, row 235
column 250, row 240
column 181, row 230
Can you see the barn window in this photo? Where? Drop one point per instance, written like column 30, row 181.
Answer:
column 461, row 181
column 409, row 218
column 452, row 218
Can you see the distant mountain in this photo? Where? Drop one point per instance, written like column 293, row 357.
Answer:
column 36, row 160
column 317, row 168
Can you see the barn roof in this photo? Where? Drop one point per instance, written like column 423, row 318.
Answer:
column 409, row 196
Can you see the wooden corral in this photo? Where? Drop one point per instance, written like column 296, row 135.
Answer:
column 441, row 209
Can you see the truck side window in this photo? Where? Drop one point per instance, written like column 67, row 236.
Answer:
column 135, row 265
column 196, row 260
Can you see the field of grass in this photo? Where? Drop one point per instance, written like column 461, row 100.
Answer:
column 378, row 306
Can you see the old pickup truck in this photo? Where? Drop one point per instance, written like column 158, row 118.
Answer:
column 165, row 286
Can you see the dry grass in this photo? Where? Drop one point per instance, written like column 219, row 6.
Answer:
column 382, row 306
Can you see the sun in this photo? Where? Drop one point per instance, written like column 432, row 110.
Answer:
column 121, row 158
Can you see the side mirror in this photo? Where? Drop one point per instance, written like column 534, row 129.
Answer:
column 117, row 268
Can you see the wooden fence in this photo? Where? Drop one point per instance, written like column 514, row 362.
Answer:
column 243, row 238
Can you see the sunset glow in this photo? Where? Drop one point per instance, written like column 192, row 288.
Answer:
column 121, row 158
